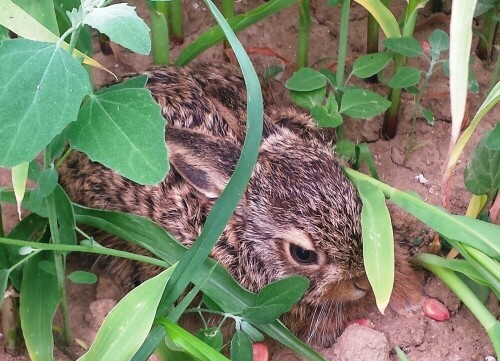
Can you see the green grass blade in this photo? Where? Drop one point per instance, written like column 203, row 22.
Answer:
column 384, row 17
column 215, row 34
column 378, row 242
column 39, row 298
column 478, row 234
column 127, row 325
column 42, row 11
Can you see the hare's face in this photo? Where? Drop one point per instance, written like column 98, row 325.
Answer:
column 303, row 217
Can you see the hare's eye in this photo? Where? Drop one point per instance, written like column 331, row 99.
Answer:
column 302, row 255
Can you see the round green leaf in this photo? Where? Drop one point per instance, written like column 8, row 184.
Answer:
column 428, row 116
column 308, row 99
column 42, row 89
column 241, row 347
column 363, row 104
column 306, row 79
column 324, row 118
column 82, row 277
column 439, row 41
column 123, row 26
column 406, row 46
column 405, row 77
column 212, row 337
column 124, row 130
column 48, row 181
column 493, row 141
column 368, row 65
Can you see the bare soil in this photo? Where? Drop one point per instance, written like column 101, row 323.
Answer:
column 459, row 338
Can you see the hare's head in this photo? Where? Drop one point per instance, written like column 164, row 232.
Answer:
column 298, row 216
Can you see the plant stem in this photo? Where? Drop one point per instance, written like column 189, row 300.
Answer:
column 488, row 31
column 489, row 322
column 86, row 249
column 159, row 32
column 176, row 21
column 303, row 33
column 436, row 6
column 495, row 75
column 10, row 323
column 390, row 125
column 228, row 12
column 2, row 233
column 74, row 38
column 372, row 35
column 416, row 107
column 345, row 8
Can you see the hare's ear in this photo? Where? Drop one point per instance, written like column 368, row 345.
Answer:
column 202, row 160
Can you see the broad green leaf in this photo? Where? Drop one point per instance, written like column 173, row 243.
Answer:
column 272, row 71
column 310, row 99
column 483, row 6
column 42, row 11
column 480, row 235
column 405, row 77
column 64, row 209
column 493, row 141
column 384, row 17
column 439, row 41
column 361, row 103
column 378, row 242
column 324, row 118
column 251, row 331
column 212, row 337
column 368, row 65
column 482, row 173
column 346, row 148
column 37, row 104
column 135, row 82
column 306, row 79
column 21, row 23
column 406, row 46
column 47, row 181
column 39, row 298
column 264, row 314
column 428, row 116
column 241, row 347
column 123, row 26
column 4, row 278
column 286, row 291
column 19, row 178
column 127, row 325
column 215, row 34
column 190, row 343
column 124, row 130
column 82, row 277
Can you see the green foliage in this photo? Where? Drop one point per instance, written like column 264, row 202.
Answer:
column 55, row 80
column 364, row 104
column 82, row 277
column 482, row 173
column 405, row 46
column 405, row 77
column 241, row 347
column 128, row 323
column 368, row 65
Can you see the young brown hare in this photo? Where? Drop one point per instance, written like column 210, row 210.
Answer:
column 298, row 215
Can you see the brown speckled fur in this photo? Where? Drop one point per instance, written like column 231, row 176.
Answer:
column 297, row 194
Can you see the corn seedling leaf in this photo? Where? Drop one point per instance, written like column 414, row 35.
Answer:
column 42, row 11
column 127, row 325
column 109, row 120
column 384, row 17
column 39, row 298
column 19, row 178
column 378, row 242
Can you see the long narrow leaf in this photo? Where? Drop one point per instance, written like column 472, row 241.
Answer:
column 215, row 34
column 478, row 234
column 462, row 13
column 384, row 17
column 127, row 325
column 378, row 242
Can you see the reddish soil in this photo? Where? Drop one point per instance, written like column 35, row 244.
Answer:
column 459, row 338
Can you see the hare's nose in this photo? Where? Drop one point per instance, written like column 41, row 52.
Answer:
column 362, row 284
